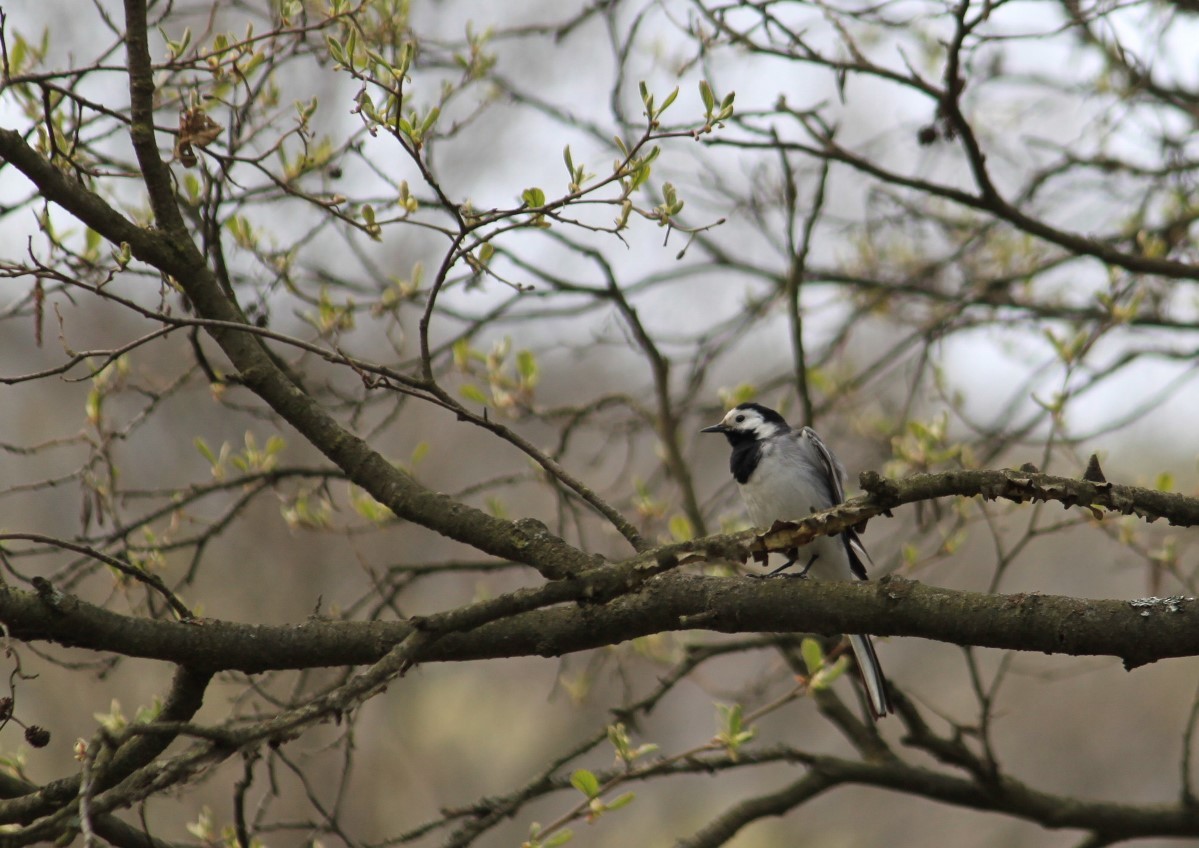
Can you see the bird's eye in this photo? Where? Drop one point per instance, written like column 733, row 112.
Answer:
column 739, row 418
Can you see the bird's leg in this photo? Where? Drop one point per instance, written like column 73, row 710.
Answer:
column 793, row 555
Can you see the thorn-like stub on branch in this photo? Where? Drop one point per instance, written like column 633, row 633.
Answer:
column 1131, row 662
column 884, row 491
column 1094, row 474
column 47, row 594
column 896, row 588
column 531, row 526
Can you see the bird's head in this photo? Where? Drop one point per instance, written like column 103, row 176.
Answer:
column 749, row 422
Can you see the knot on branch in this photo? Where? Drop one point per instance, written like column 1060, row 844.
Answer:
column 895, row 588
column 549, row 553
column 884, row 492
column 1172, row 604
column 48, row 595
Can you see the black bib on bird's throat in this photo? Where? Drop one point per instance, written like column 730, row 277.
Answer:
column 744, row 458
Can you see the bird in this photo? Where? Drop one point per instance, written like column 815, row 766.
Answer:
column 785, row 474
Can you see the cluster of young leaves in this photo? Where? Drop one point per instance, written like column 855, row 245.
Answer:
column 206, row 829
column 252, row 459
column 510, row 381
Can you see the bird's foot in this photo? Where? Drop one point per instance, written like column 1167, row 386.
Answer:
column 790, row 562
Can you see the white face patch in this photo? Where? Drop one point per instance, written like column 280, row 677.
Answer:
column 750, row 421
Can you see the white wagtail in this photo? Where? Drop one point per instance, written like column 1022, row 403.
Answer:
column 785, row 475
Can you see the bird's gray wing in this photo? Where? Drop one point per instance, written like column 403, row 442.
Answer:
column 834, row 473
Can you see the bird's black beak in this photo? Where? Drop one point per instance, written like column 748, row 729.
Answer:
column 715, row 428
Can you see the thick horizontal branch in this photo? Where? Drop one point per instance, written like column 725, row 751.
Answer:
column 1136, row 632
column 891, row 607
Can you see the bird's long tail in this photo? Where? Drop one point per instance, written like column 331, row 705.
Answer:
column 872, row 675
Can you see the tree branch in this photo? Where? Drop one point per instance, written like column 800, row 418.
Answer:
column 529, row 543
column 1051, row 624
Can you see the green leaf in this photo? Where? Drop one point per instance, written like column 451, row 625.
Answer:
column 337, row 51
column 255, row 61
column 585, row 782
column 559, row 838
column 461, row 351
column 19, row 52
column 726, row 107
column 618, row 735
column 640, row 174
column 954, row 540
column 669, row 99
column 736, row 396
column 706, row 95
column 369, row 508
column 622, row 220
column 681, row 528
column 430, row 119
column 91, row 242
column 191, row 184
column 497, row 507
column 406, row 54
column 526, row 366
column 472, row 392
column 148, row 714
column 730, row 718
column 734, row 734
column 114, row 720
column 93, row 405
column 824, row 678
column 813, row 655
column 621, row 801
column 533, row 197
